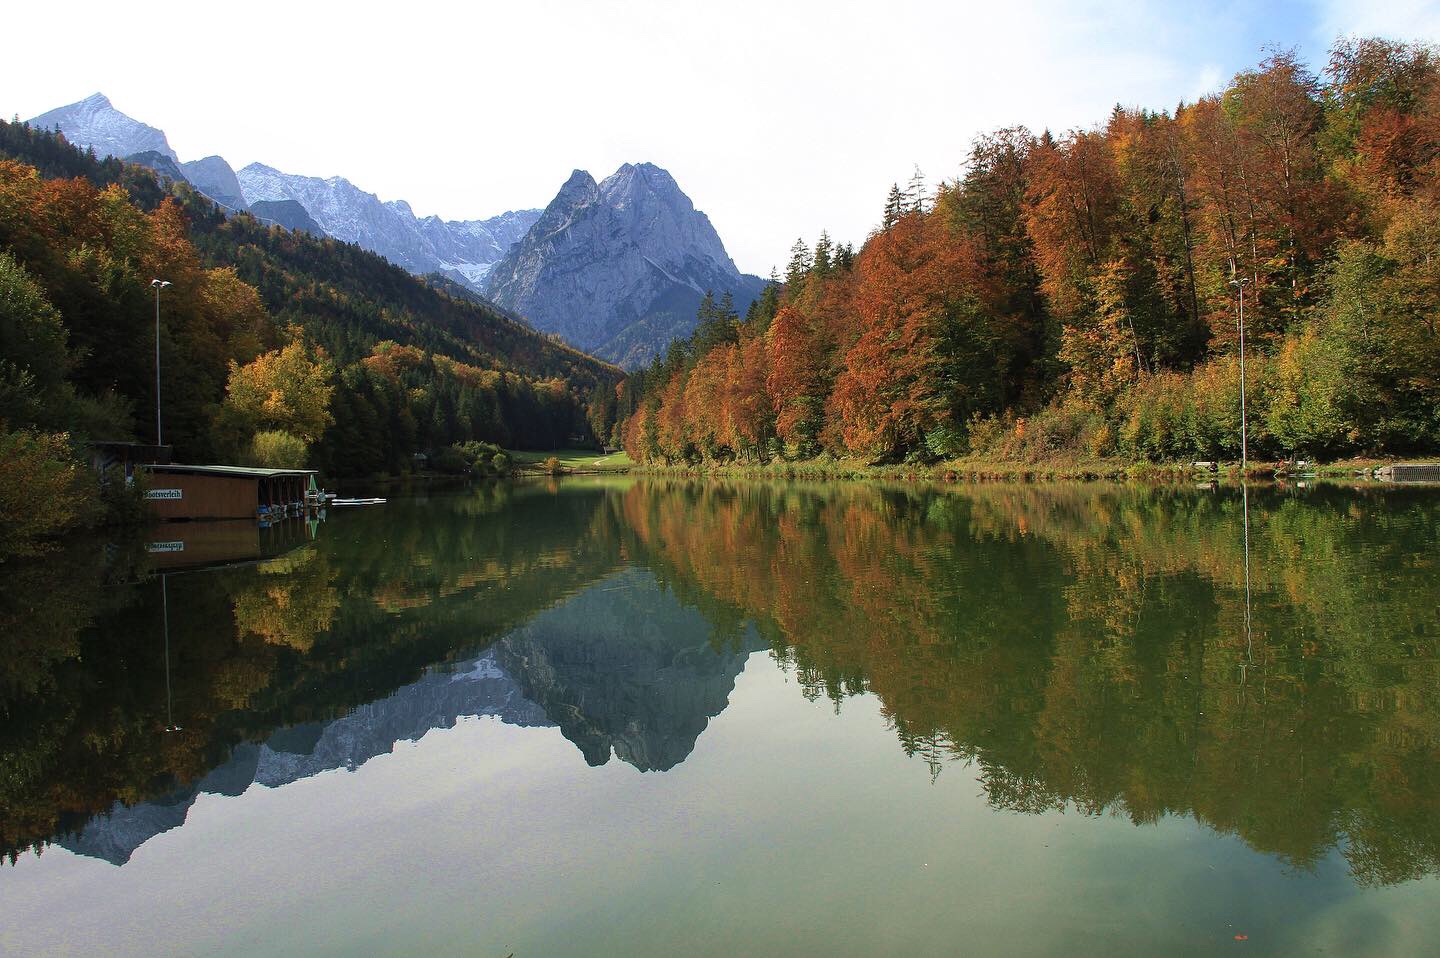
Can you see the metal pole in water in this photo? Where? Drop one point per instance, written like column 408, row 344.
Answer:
column 170, row 725
column 1249, row 644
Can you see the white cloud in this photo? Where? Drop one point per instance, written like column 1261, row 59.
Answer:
column 1401, row 19
column 778, row 119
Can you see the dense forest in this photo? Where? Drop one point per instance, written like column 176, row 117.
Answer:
column 1079, row 296
column 276, row 347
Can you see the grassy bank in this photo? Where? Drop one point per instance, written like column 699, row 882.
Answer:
column 983, row 470
column 579, row 461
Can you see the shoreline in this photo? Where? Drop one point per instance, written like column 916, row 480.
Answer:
column 965, row 471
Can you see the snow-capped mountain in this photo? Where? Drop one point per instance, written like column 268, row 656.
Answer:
column 94, row 123
column 618, row 268
column 461, row 249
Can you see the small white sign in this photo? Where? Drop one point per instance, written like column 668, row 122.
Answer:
column 176, row 546
column 164, row 494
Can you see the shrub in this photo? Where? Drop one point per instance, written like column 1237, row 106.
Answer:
column 1073, row 428
column 1172, row 416
column 1308, row 404
column 278, row 449
column 45, row 491
column 451, row 461
column 124, row 502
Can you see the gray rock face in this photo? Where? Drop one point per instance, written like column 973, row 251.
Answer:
column 470, row 248
column 618, row 268
column 461, row 249
column 287, row 213
column 158, row 162
column 214, row 177
column 94, row 123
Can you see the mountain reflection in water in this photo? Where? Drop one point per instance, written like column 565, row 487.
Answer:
column 1088, row 649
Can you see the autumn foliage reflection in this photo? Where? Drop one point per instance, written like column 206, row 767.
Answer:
column 1087, row 648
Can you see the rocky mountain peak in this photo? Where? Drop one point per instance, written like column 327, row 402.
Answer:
column 214, row 177
column 95, row 123
column 636, row 181
column 580, row 181
column 618, row 268
column 577, row 192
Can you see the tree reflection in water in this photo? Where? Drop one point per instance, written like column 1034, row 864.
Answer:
column 1079, row 644
column 1263, row 660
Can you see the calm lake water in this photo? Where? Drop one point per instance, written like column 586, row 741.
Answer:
column 639, row 718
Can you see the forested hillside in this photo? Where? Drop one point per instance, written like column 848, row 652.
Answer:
column 1077, row 295
column 360, row 362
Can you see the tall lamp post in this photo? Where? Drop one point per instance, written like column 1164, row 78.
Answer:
column 1239, row 282
column 159, row 284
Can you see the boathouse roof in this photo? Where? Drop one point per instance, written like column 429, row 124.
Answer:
column 238, row 472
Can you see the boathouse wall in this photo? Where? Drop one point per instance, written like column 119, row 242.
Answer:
column 181, row 495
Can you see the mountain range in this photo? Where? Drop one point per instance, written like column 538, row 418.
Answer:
column 615, row 268
column 463, row 250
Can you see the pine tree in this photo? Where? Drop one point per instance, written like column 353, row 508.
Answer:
column 916, row 194
column 823, row 254
column 800, row 263
column 894, row 207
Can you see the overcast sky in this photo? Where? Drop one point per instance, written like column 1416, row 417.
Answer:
column 777, row 118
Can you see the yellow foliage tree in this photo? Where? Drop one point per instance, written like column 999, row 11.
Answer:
column 285, row 390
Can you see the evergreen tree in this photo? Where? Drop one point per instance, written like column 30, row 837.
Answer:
column 917, row 197
column 824, row 251
column 800, row 263
column 894, row 207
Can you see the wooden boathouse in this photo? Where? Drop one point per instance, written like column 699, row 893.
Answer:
column 225, row 492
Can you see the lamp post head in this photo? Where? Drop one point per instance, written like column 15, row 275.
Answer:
column 1242, row 281
column 159, row 283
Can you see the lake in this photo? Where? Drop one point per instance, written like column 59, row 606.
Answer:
column 641, row 717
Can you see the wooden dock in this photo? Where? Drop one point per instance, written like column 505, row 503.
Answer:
column 1410, row 472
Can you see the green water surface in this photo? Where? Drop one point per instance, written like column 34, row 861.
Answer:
column 633, row 717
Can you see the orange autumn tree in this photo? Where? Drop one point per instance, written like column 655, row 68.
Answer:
column 798, row 379
column 920, row 361
column 748, row 413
